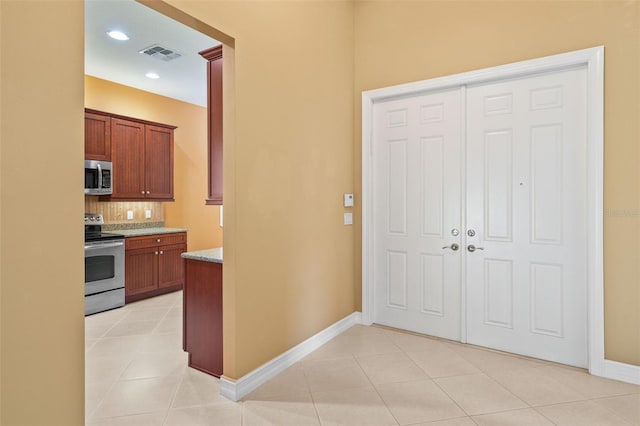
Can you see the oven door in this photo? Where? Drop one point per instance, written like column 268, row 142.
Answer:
column 103, row 266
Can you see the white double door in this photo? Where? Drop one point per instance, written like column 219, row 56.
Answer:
column 499, row 167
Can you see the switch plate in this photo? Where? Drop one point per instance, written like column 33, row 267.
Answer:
column 348, row 218
column 147, row 214
column 348, row 200
column 129, row 214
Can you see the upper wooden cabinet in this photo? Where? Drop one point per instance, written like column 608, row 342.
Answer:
column 158, row 162
column 127, row 154
column 142, row 156
column 214, row 104
column 97, row 137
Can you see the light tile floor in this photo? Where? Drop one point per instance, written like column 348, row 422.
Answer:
column 137, row 375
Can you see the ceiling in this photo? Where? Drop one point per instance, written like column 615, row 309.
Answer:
column 183, row 78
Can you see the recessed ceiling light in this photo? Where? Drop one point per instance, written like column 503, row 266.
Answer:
column 152, row 75
column 118, row 35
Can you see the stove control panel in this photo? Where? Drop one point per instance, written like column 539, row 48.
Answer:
column 93, row 219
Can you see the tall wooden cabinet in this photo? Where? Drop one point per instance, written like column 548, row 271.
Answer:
column 214, row 105
column 141, row 152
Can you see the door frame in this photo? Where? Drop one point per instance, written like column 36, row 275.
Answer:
column 593, row 59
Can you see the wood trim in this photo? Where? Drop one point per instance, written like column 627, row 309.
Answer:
column 124, row 117
column 212, row 53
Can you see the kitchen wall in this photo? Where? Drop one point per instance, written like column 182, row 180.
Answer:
column 115, row 212
column 399, row 42
column 288, row 269
column 190, row 161
column 41, row 208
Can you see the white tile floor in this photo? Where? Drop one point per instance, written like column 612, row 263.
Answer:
column 136, row 375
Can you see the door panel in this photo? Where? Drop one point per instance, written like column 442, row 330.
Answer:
column 526, row 198
column 158, row 162
column 127, row 154
column 417, row 151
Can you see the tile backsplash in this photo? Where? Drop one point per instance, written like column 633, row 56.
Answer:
column 116, row 211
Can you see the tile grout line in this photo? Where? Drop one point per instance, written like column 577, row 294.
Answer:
column 374, row 386
column 313, row 401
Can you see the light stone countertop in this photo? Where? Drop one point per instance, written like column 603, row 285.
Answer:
column 209, row 255
column 140, row 232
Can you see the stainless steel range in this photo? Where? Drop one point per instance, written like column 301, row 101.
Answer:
column 103, row 267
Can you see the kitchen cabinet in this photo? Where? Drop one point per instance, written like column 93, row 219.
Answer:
column 97, row 136
column 214, row 108
column 153, row 265
column 202, row 315
column 142, row 156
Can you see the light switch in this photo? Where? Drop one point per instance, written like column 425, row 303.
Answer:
column 348, row 218
column 129, row 214
column 348, row 200
column 147, row 214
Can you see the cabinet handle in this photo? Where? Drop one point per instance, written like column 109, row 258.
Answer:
column 148, row 192
column 142, row 192
column 156, row 253
column 161, row 252
column 158, row 240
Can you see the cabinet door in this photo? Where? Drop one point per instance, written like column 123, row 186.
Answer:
column 158, row 162
column 127, row 154
column 141, row 270
column 97, row 137
column 171, row 265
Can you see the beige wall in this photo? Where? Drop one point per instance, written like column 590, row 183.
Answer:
column 190, row 159
column 399, row 42
column 293, row 155
column 288, row 257
column 41, row 271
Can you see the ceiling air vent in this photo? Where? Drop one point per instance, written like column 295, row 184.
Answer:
column 161, row 52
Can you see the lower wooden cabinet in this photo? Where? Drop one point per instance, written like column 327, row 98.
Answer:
column 153, row 265
column 202, row 316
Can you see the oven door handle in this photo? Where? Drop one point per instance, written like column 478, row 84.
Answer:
column 103, row 246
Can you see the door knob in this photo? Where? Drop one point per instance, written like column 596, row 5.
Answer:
column 453, row 247
column 473, row 248
column 471, row 232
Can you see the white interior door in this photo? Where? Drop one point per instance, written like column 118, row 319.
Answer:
column 519, row 147
column 526, row 203
column 417, row 169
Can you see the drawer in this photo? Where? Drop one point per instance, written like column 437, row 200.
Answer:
column 155, row 240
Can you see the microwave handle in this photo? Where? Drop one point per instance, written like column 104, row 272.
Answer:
column 99, row 176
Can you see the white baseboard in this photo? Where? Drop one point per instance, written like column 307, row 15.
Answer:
column 619, row 371
column 236, row 390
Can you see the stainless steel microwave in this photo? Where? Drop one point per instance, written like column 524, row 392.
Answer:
column 97, row 177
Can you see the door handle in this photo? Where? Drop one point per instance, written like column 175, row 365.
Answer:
column 453, row 247
column 473, row 248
